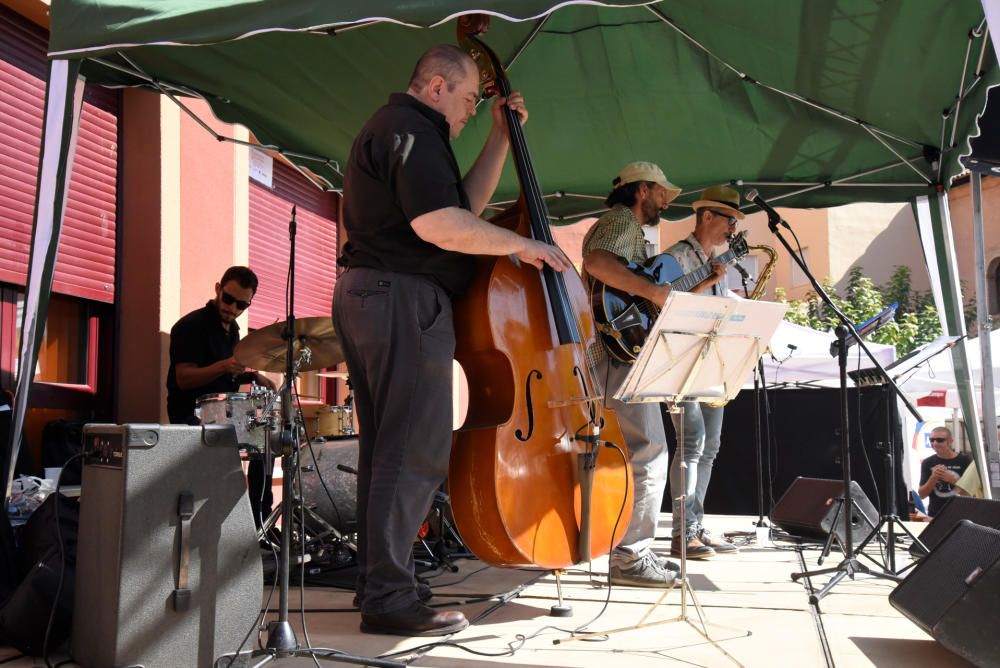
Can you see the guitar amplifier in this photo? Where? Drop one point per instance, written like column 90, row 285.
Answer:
column 168, row 567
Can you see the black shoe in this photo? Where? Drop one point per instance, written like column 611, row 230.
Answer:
column 415, row 619
column 424, row 592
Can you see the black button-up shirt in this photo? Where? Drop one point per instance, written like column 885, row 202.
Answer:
column 401, row 166
column 200, row 339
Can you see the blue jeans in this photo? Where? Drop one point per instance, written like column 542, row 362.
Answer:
column 642, row 426
column 702, row 435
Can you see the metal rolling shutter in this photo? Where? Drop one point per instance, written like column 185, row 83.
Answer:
column 85, row 266
column 315, row 246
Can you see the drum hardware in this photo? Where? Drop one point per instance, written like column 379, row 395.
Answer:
column 439, row 538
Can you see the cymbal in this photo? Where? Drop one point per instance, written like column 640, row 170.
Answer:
column 333, row 374
column 264, row 349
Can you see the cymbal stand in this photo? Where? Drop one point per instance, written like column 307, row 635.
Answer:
column 281, row 641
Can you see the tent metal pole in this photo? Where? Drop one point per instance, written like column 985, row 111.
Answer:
column 989, row 462
column 63, row 104
column 937, row 240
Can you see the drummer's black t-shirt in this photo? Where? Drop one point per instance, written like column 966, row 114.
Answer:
column 199, row 338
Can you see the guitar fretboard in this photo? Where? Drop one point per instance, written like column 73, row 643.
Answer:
column 689, row 280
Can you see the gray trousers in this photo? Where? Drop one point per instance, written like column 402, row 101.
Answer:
column 398, row 338
column 702, row 437
column 642, row 425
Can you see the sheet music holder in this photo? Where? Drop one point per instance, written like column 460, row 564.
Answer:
column 904, row 365
column 701, row 348
column 870, row 326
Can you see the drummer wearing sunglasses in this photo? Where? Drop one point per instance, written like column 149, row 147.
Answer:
column 202, row 345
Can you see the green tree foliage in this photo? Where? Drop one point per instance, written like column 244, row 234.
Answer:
column 915, row 324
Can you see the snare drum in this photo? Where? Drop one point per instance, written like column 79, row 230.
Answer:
column 248, row 412
column 335, row 420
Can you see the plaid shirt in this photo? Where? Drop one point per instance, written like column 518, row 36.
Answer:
column 619, row 233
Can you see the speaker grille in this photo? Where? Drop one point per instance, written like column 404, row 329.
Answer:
column 808, row 506
column 980, row 511
column 946, row 575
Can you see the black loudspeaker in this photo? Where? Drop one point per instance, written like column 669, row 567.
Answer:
column 168, row 567
column 808, row 507
column 952, row 593
column 980, row 511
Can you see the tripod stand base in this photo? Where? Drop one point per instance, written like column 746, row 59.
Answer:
column 847, row 568
column 561, row 611
column 281, row 637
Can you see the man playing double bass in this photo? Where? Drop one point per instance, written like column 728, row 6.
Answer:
column 413, row 225
column 640, row 192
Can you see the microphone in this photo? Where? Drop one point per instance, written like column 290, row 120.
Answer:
column 753, row 196
column 743, row 272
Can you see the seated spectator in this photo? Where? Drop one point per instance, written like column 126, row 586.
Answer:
column 940, row 471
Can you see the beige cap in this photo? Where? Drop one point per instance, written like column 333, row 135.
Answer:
column 645, row 171
column 720, row 197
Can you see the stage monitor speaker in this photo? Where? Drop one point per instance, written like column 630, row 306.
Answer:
column 808, row 506
column 980, row 511
column 168, row 567
column 952, row 593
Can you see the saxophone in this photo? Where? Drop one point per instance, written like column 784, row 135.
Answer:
column 761, row 284
column 758, row 288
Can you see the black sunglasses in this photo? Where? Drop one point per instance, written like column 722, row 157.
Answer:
column 938, row 440
column 732, row 219
column 229, row 299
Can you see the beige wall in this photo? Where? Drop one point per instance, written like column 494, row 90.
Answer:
column 206, row 213
column 184, row 220
column 877, row 237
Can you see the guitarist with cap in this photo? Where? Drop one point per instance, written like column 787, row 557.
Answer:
column 716, row 216
column 640, row 192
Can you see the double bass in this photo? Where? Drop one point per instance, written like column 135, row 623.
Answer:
column 539, row 472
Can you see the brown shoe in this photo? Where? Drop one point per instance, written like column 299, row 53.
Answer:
column 695, row 549
column 720, row 545
column 414, row 620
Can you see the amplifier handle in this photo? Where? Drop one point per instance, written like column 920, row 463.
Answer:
column 185, row 510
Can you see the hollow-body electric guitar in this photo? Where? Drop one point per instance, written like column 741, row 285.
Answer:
column 624, row 320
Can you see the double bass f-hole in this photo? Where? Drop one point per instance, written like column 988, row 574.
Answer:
column 521, row 436
column 580, row 376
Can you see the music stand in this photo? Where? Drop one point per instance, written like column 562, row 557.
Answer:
column 700, row 348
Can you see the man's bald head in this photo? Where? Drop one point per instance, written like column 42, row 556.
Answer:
column 446, row 61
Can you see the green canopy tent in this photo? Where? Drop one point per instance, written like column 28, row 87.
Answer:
column 814, row 103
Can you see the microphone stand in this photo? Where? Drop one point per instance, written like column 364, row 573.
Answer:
column 850, row 565
column 763, row 529
column 281, row 641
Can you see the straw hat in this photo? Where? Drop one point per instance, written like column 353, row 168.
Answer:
column 720, row 197
column 645, row 171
